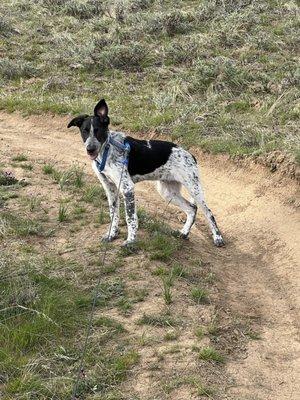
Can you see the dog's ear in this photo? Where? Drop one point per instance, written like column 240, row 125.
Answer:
column 77, row 121
column 101, row 110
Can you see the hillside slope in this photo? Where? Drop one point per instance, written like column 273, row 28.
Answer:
column 219, row 74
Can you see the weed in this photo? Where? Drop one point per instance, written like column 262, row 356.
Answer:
column 18, row 226
column 79, row 211
column 171, row 336
column 20, row 157
column 252, row 334
column 124, row 305
column 62, row 213
column 28, row 167
column 193, row 381
column 111, row 292
column 32, row 202
column 199, row 332
column 140, row 295
column 160, row 271
column 161, row 247
column 93, row 194
column 109, row 323
column 157, row 320
column 167, row 284
column 48, row 169
column 199, row 295
column 210, row 354
column 178, row 271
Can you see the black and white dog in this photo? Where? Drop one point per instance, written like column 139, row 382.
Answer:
column 165, row 162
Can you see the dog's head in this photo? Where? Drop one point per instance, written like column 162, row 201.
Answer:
column 93, row 129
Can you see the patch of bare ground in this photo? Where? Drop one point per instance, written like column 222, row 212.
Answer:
column 227, row 325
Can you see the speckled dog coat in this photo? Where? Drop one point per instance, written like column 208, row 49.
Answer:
column 165, row 162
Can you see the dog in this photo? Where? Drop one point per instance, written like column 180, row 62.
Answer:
column 165, row 162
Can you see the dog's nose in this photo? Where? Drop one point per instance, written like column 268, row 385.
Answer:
column 91, row 149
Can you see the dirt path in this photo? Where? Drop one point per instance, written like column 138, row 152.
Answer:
column 259, row 267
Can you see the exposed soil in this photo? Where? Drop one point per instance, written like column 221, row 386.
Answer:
column 258, row 275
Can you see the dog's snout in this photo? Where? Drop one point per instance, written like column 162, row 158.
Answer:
column 91, row 149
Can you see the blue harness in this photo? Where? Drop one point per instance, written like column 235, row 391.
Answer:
column 124, row 147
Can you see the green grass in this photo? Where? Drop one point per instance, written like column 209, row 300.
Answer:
column 33, row 203
column 48, row 169
column 68, row 179
column 93, row 194
column 220, row 75
column 158, row 320
column 20, row 157
column 42, row 321
column 15, row 225
column 193, row 381
column 112, row 326
column 199, row 295
column 171, row 336
column 210, row 354
column 39, row 314
column 62, row 213
column 167, row 282
column 28, row 167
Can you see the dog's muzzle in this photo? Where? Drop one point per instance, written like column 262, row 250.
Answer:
column 92, row 152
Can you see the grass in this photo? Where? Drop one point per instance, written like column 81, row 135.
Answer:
column 71, row 179
column 62, row 213
column 167, row 291
column 33, row 203
column 222, row 75
column 158, row 320
column 199, row 295
column 93, row 194
column 193, row 381
column 38, row 314
column 11, row 224
column 20, row 157
column 210, row 354
column 48, row 169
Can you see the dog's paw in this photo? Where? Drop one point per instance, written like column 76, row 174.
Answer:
column 129, row 244
column 109, row 238
column 219, row 241
column 129, row 247
column 180, row 235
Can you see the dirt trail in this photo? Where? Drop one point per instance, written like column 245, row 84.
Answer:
column 259, row 267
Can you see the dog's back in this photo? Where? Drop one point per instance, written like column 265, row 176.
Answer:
column 147, row 155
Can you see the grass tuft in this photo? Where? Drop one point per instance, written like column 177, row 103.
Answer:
column 158, row 320
column 199, row 295
column 210, row 354
column 48, row 169
column 62, row 213
column 20, row 157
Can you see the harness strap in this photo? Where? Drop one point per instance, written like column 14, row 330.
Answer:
column 121, row 146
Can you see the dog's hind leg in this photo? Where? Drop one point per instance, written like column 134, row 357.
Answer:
column 170, row 191
column 193, row 186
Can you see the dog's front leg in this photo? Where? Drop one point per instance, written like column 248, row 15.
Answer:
column 127, row 191
column 113, row 202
